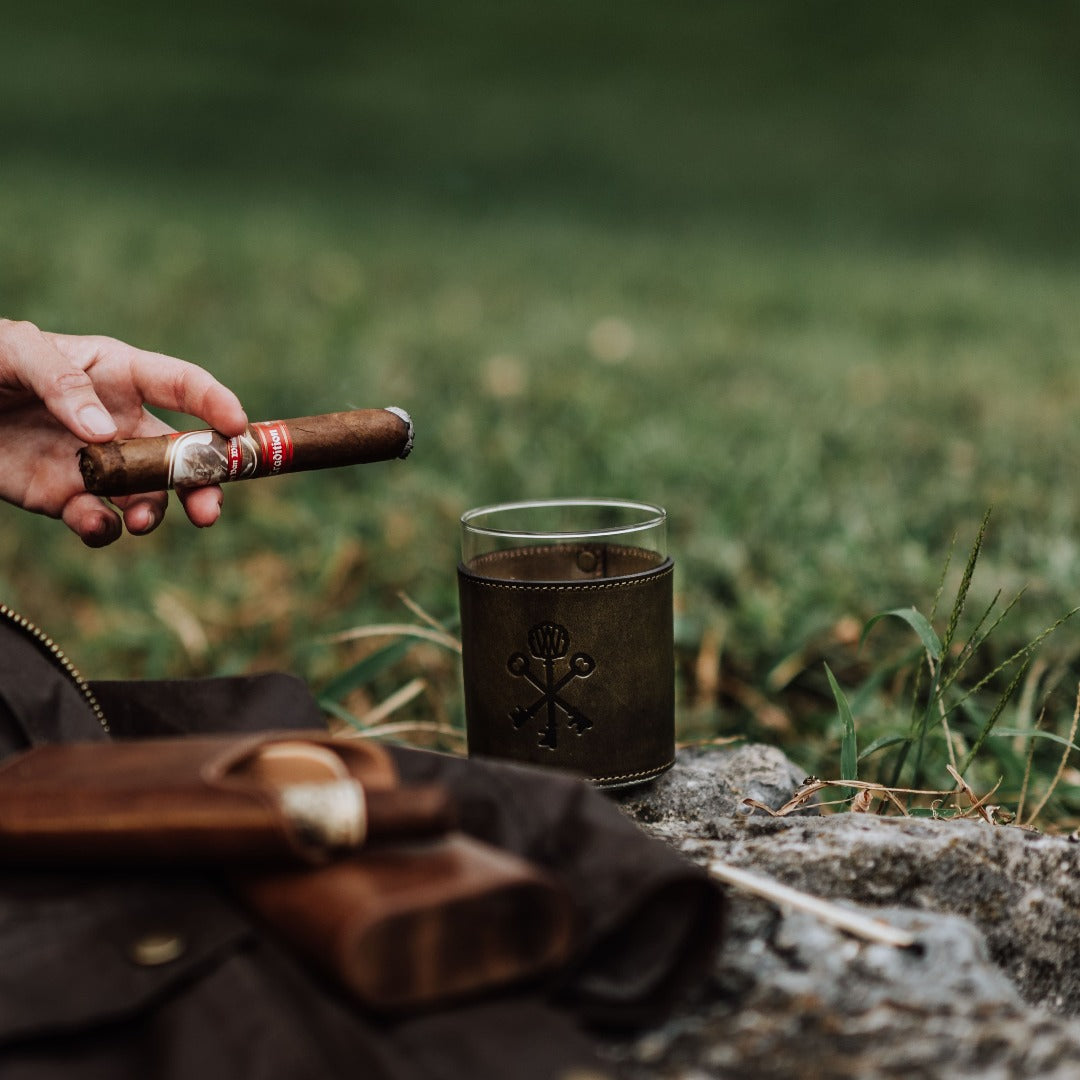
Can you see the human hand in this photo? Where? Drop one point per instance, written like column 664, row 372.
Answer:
column 60, row 391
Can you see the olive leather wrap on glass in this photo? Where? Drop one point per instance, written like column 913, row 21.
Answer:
column 576, row 674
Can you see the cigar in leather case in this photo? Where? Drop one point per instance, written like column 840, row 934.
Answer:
column 197, row 458
column 289, row 797
column 364, row 877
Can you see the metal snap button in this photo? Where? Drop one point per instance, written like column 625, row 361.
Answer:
column 587, row 561
column 153, row 950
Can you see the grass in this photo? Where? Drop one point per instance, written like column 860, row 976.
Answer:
column 953, row 712
column 804, row 276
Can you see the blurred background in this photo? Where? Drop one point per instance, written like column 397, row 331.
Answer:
column 805, row 274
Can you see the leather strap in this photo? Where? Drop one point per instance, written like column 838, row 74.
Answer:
column 568, row 660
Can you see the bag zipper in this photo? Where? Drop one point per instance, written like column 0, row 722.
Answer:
column 55, row 653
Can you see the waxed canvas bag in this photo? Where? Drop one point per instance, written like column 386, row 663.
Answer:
column 143, row 973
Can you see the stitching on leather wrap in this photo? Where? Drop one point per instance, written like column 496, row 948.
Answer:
column 631, row 776
column 573, row 586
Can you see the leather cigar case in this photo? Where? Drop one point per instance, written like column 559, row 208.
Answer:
column 407, row 926
column 222, row 799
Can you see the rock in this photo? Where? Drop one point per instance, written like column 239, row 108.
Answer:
column 1020, row 889
column 991, row 990
column 705, row 785
column 792, row 998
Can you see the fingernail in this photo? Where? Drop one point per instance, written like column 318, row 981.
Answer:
column 96, row 420
column 144, row 521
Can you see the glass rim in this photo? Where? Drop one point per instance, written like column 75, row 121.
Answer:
column 655, row 516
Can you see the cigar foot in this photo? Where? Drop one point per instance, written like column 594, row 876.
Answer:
column 402, row 414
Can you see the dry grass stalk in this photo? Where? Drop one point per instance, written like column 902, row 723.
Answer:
column 853, row 922
column 407, row 727
column 424, row 633
column 978, row 806
column 421, row 614
column 866, row 792
column 1064, row 761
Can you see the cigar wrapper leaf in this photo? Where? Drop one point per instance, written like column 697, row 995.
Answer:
column 199, row 458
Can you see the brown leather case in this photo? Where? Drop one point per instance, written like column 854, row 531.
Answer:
column 413, row 925
column 419, row 916
column 207, row 799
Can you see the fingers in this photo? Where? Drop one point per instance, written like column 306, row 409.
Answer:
column 29, row 359
column 97, row 524
column 202, row 505
column 68, row 373
column 168, row 383
column 183, row 387
column 175, row 384
column 143, row 513
column 160, row 380
column 89, row 518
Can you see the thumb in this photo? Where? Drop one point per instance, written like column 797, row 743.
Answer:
column 64, row 387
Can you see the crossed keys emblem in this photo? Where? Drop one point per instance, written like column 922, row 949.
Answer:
column 550, row 642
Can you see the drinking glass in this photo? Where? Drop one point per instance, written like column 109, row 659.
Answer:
column 567, row 641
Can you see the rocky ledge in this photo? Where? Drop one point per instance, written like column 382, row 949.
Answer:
column 990, row 989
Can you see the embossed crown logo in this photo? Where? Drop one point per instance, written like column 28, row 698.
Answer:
column 550, row 642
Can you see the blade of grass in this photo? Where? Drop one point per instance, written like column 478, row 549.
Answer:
column 944, row 574
column 1019, row 654
column 917, row 621
column 1061, row 766
column 849, row 748
column 965, row 585
column 881, row 743
column 939, row 672
column 933, row 648
column 972, row 646
column 1028, row 761
column 1033, row 734
column 363, row 672
column 993, row 718
column 929, row 662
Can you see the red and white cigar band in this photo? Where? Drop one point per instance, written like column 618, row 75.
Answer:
column 198, row 458
column 275, row 451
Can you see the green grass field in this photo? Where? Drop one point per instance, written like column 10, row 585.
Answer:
column 808, row 276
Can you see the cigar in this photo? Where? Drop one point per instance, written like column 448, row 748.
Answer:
column 196, row 458
column 342, row 816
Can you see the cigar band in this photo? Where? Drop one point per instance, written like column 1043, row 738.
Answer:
column 198, row 458
column 275, row 451
column 328, row 814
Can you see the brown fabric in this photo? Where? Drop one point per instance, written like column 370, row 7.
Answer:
column 76, row 1002
column 570, row 668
